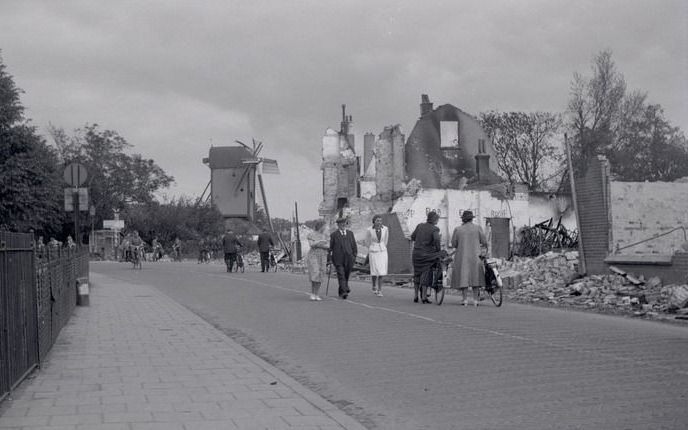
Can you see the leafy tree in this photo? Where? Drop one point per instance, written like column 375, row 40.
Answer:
column 180, row 218
column 30, row 181
column 606, row 119
column 116, row 179
column 649, row 148
column 524, row 143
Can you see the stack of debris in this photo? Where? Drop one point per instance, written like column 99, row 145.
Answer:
column 552, row 278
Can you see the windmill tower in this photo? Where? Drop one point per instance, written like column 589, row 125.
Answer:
column 233, row 172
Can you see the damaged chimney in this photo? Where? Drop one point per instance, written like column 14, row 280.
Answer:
column 482, row 163
column 425, row 105
column 368, row 146
column 344, row 129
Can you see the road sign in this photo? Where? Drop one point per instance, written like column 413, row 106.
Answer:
column 83, row 199
column 113, row 224
column 75, row 174
column 69, row 199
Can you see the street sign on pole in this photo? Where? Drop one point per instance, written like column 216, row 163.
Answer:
column 83, row 199
column 75, row 174
column 69, row 199
column 113, row 224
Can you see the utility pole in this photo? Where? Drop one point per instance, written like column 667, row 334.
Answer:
column 298, row 236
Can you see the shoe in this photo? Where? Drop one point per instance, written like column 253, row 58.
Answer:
column 313, row 297
column 318, row 299
column 345, row 296
column 415, row 300
column 379, row 293
column 465, row 302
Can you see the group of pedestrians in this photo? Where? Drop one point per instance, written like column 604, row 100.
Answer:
column 232, row 247
column 340, row 249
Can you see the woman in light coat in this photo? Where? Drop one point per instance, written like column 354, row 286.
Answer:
column 376, row 240
column 316, row 260
column 468, row 272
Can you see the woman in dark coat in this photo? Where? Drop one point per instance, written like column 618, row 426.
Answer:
column 426, row 252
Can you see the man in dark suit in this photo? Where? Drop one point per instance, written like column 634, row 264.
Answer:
column 343, row 251
column 264, row 243
column 230, row 246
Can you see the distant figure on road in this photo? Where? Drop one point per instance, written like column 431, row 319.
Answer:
column 230, row 246
column 157, row 249
column 426, row 252
column 376, row 240
column 264, row 243
column 317, row 258
column 343, row 250
column 177, row 249
column 468, row 272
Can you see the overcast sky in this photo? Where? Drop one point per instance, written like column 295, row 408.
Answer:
column 175, row 77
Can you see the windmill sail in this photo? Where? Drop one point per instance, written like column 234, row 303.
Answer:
column 270, row 166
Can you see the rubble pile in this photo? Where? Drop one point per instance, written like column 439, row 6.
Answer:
column 552, row 279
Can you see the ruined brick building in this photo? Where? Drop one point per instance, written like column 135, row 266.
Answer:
column 340, row 167
column 447, row 149
column 445, row 165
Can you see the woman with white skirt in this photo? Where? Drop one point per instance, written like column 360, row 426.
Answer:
column 376, row 240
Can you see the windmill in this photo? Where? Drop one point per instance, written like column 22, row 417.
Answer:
column 259, row 165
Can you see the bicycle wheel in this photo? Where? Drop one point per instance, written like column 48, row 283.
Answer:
column 435, row 278
column 496, row 295
column 439, row 294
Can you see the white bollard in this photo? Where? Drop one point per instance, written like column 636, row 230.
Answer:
column 82, row 293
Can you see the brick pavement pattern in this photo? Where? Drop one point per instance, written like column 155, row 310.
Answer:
column 137, row 360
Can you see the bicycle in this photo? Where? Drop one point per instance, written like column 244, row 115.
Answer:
column 204, row 256
column 434, row 278
column 493, row 282
column 272, row 261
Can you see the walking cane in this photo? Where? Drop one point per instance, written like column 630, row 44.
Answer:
column 329, row 270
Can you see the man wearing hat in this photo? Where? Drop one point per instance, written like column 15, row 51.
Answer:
column 468, row 272
column 343, row 251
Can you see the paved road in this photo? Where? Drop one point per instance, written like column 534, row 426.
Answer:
column 393, row 364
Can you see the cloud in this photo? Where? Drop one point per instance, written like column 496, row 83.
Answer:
column 170, row 76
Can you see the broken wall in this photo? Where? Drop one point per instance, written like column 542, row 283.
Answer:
column 340, row 170
column 642, row 210
column 389, row 163
column 439, row 164
column 523, row 209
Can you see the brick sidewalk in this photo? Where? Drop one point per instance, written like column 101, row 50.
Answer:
column 137, row 360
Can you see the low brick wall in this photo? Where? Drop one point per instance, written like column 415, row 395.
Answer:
column 671, row 269
column 643, row 210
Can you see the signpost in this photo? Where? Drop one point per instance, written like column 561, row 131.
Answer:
column 76, row 197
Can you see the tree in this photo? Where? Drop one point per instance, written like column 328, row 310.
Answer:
column 523, row 143
column 633, row 134
column 180, row 217
column 30, row 181
column 116, row 179
column 649, row 148
column 594, row 108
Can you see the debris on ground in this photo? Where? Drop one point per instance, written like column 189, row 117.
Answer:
column 552, row 279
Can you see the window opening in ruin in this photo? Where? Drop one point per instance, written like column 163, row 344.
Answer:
column 449, row 135
column 342, row 203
